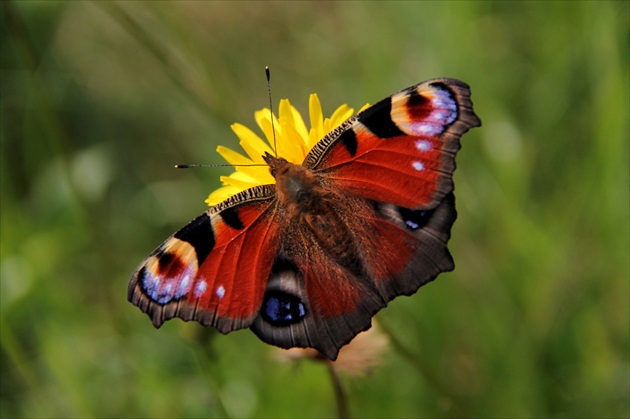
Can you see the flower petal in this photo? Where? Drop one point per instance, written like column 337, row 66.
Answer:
column 291, row 147
column 288, row 135
column 253, row 145
column 299, row 124
column 241, row 163
column 284, row 111
column 340, row 116
column 221, row 195
column 263, row 119
column 317, row 119
column 237, row 183
column 233, row 157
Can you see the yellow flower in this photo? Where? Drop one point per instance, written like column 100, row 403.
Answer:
column 293, row 142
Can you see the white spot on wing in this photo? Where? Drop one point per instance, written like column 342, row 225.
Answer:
column 418, row 166
column 220, row 291
column 423, row 145
column 200, row 288
column 168, row 288
column 163, row 294
column 184, row 285
column 427, row 129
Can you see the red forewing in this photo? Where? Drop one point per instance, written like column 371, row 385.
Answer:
column 214, row 270
column 401, row 150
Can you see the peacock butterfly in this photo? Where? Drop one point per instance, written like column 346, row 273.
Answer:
column 307, row 261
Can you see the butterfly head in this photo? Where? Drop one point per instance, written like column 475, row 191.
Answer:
column 296, row 186
column 277, row 165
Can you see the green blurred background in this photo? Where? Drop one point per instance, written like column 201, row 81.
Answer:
column 101, row 99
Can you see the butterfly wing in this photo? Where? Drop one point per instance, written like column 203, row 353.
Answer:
column 380, row 230
column 400, row 155
column 320, row 295
column 385, row 224
column 213, row 270
column 402, row 149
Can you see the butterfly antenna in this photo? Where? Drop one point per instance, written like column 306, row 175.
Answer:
column 273, row 129
column 268, row 74
column 189, row 166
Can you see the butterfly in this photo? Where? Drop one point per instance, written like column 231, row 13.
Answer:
column 309, row 260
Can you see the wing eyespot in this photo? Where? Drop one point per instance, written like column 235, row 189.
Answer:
column 282, row 309
column 414, row 219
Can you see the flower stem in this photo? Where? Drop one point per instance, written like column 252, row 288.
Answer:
column 341, row 398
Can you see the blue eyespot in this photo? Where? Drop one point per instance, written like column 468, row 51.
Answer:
column 281, row 309
column 414, row 219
